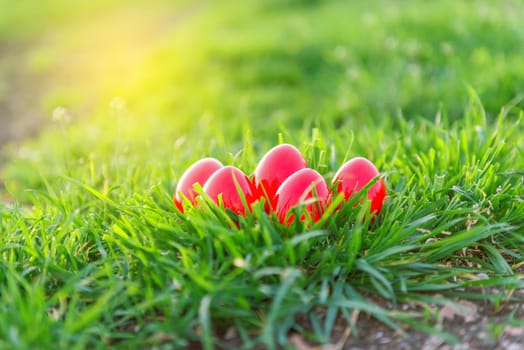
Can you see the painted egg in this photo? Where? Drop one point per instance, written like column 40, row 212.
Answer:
column 199, row 172
column 307, row 187
column 230, row 183
column 356, row 174
column 273, row 169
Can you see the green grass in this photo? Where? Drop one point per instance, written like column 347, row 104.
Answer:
column 94, row 254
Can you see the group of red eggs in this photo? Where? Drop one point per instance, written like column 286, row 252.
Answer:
column 283, row 179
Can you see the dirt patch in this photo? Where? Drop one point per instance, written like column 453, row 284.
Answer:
column 460, row 325
column 20, row 91
column 465, row 324
column 485, row 329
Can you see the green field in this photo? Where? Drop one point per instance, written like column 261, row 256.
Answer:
column 129, row 94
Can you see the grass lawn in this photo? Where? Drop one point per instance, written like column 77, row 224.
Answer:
column 93, row 251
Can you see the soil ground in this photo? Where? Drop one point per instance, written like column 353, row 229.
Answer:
column 480, row 327
column 20, row 115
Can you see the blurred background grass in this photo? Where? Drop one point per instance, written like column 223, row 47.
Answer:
column 195, row 76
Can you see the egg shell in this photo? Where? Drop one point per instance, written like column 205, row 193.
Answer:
column 274, row 168
column 224, row 183
column 303, row 186
column 354, row 175
column 199, row 172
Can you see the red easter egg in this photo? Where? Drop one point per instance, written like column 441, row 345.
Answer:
column 273, row 169
column 199, row 172
column 303, row 186
column 224, row 183
column 356, row 174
